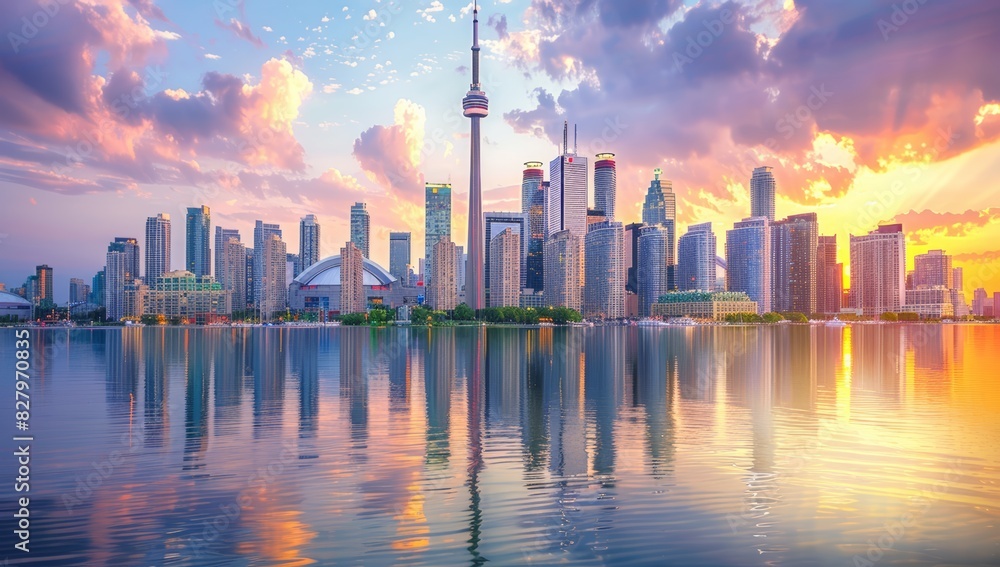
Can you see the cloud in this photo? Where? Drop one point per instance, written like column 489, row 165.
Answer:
column 241, row 31
column 391, row 156
column 923, row 225
column 668, row 86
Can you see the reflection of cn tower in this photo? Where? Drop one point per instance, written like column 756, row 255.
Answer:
column 475, row 106
column 476, row 412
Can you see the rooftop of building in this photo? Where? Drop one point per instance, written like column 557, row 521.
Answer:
column 327, row 272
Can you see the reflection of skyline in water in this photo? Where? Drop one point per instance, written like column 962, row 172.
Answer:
column 607, row 423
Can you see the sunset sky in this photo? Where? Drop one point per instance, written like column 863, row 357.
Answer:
column 115, row 110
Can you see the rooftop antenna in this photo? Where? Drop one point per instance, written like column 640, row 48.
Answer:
column 574, row 139
column 565, row 137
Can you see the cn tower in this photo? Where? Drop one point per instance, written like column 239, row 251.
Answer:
column 475, row 105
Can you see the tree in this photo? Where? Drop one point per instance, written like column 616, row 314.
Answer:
column 909, row 317
column 463, row 313
column 889, row 316
column 773, row 317
column 353, row 319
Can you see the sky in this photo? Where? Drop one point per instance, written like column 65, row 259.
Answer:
column 112, row 111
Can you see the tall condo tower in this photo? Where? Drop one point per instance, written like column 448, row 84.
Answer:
column 605, row 184
column 475, row 106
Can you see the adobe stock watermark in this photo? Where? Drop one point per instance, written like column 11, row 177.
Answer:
column 699, row 42
column 901, row 14
column 33, row 24
column 230, row 513
column 103, row 469
column 895, row 530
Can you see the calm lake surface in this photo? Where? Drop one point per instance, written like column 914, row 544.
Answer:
column 788, row 445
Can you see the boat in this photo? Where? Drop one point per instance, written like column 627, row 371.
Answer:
column 682, row 322
column 836, row 322
column 651, row 323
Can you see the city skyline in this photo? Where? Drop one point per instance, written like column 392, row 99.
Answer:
column 864, row 174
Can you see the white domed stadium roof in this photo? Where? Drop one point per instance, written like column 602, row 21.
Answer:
column 9, row 299
column 327, row 272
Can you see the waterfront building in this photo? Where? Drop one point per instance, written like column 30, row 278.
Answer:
column 567, row 194
column 932, row 269
column 505, row 268
column 829, row 277
column 794, row 249
column 79, row 291
column 352, row 284
column 181, row 294
column 655, row 265
column 748, row 260
column 443, row 292
column 563, row 270
column 222, row 236
column 930, row 302
column 198, row 257
column 262, row 233
column 604, row 292
column 121, row 269
column 696, row 253
column 273, row 286
column 232, row 272
column 533, row 196
column 497, row 222
column 437, row 220
column 399, row 255
column 318, row 289
column 878, row 270
column 704, row 304
column 43, row 276
column 158, row 234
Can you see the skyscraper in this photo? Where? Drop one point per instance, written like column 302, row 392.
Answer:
column 748, row 260
column 878, row 270
column 505, row 269
column 309, row 251
column 497, row 222
column 399, row 255
column 262, row 233
column 97, row 286
column 563, row 262
column 829, row 276
column 232, row 271
column 794, row 245
column 443, row 292
column 696, row 252
column 78, row 291
column 533, row 195
column 199, row 234
column 273, row 285
column 980, row 300
column 605, row 184
column 437, row 219
column 959, row 306
column 604, row 294
column 44, row 275
column 932, row 269
column 762, row 190
column 157, row 246
column 660, row 205
column 655, row 265
column 632, row 257
column 222, row 236
column 475, row 106
column 122, row 269
column 361, row 227
column 352, row 286
column 567, row 196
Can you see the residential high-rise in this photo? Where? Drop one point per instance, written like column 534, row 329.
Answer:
column 97, row 286
column 309, row 238
column 443, row 292
column 748, row 260
column 222, row 236
column 932, row 269
column 696, row 252
column 762, row 191
column 980, row 300
column 262, row 233
column 461, row 263
column 878, row 270
column 251, row 300
column 293, row 266
column 533, row 195
column 605, row 184
column 660, row 205
column 45, row 296
column 829, row 276
column 361, row 227
column 497, row 222
column 79, row 291
column 157, row 246
column 122, row 269
column 632, row 256
column 232, row 272
column 505, row 268
column 604, row 294
column 475, row 106
column 437, row 219
column 563, row 261
column 959, row 306
column 655, row 265
column 273, row 285
column 352, row 284
column 399, row 255
column 794, row 247
column 567, row 196
column 199, row 234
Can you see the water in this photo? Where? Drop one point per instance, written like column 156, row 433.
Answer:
column 791, row 445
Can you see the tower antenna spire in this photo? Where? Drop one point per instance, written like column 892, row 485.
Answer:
column 565, row 137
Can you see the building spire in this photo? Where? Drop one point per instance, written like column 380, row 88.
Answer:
column 565, row 137
column 475, row 47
